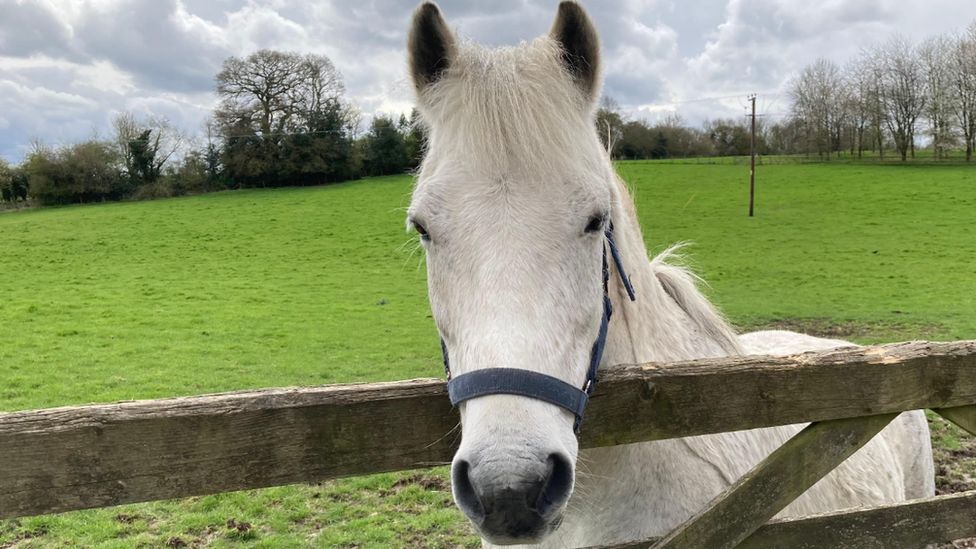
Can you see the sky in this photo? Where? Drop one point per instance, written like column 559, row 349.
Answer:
column 67, row 67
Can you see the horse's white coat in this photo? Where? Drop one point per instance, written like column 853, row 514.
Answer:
column 513, row 173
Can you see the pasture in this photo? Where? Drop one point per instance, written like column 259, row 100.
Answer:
column 321, row 285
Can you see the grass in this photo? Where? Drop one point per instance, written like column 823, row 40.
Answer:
column 318, row 285
column 211, row 293
column 886, row 250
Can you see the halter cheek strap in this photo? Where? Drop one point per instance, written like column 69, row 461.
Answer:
column 516, row 381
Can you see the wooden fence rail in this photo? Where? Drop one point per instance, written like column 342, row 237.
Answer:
column 908, row 524
column 96, row 456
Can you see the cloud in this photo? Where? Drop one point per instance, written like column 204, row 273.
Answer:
column 67, row 66
column 161, row 44
column 29, row 28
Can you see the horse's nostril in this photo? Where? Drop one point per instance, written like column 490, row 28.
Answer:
column 557, row 486
column 464, row 492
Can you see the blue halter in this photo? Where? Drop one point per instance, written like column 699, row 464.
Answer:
column 516, row 381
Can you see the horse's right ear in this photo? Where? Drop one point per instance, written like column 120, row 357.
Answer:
column 430, row 46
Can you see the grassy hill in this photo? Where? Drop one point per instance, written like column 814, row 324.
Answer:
column 318, row 285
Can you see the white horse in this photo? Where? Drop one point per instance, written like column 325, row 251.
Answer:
column 511, row 203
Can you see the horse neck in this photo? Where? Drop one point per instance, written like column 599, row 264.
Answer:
column 671, row 319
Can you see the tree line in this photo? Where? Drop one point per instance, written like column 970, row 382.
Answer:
column 892, row 93
column 283, row 119
column 637, row 139
column 890, row 97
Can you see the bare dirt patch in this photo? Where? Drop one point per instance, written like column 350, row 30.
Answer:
column 425, row 481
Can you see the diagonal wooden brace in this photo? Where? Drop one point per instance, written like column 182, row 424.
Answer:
column 773, row 484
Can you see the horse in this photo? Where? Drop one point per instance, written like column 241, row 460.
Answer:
column 516, row 204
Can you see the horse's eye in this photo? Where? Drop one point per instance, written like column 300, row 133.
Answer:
column 595, row 223
column 421, row 230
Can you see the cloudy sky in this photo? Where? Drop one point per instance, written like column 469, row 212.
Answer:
column 67, row 66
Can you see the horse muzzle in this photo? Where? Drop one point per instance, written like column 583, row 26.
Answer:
column 516, row 500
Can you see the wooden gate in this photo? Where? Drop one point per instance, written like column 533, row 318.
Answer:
column 64, row 459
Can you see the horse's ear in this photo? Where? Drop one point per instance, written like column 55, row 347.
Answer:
column 576, row 35
column 430, row 46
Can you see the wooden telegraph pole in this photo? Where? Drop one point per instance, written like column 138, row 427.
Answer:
column 752, row 153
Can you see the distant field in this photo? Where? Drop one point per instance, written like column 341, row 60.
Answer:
column 319, row 285
column 885, row 250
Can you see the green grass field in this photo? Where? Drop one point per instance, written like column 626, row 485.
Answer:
column 318, row 285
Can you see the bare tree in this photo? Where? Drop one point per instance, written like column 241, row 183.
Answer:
column 860, row 101
column 902, row 92
column 817, row 104
column 964, row 87
column 321, row 85
column 272, row 92
column 146, row 146
column 126, row 130
column 609, row 123
column 936, row 55
column 353, row 117
column 865, row 76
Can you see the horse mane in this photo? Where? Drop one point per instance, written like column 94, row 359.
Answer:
column 683, row 286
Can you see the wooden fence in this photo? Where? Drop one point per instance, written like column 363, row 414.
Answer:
column 83, row 457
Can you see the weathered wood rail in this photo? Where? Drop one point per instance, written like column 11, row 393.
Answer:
column 911, row 524
column 96, row 456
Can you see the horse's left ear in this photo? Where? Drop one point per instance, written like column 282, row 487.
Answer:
column 576, row 35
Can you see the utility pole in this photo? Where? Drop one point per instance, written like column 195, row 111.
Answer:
column 752, row 153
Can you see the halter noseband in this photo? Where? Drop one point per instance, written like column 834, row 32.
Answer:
column 516, row 381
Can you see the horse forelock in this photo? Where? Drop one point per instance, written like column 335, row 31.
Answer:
column 510, row 109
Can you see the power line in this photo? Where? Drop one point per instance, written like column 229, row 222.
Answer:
column 285, row 134
column 707, row 99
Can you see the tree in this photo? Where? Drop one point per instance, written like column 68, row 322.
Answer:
column 84, row 172
column 126, row 130
column 323, row 152
column 963, row 76
column 660, row 149
column 385, row 151
column 870, row 69
column 144, row 164
column 862, row 102
column 13, row 183
column 145, row 146
column 636, row 140
column 786, row 137
column 211, row 152
column 414, row 138
column 902, row 92
column 282, row 120
column 818, row 104
column 274, row 92
column 19, row 185
column 936, row 57
column 609, row 124
column 6, row 182
column 682, row 141
column 730, row 138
